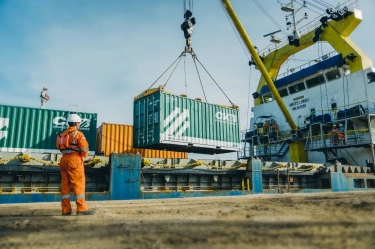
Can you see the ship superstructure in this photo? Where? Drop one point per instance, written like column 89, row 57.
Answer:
column 329, row 98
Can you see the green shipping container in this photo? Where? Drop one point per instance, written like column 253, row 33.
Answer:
column 25, row 129
column 166, row 121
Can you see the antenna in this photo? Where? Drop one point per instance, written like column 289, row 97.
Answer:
column 274, row 39
column 289, row 7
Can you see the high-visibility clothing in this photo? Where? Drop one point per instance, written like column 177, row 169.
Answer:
column 275, row 127
column 267, row 126
column 72, row 171
column 335, row 136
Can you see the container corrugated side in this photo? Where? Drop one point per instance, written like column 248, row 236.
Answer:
column 119, row 138
column 167, row 121
column 25, row 129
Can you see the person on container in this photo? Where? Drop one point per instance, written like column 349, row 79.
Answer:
column 44, row 98
column 335, row 135
column 74, row 147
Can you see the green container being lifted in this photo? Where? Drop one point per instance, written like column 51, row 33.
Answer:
column 25, row 129
column 164, row 121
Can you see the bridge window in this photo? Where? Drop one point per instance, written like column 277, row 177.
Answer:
column 371, row 77
column 316, row 81
column 334, row 74
column 283, row 92
column 297, row 88
column 267, row 98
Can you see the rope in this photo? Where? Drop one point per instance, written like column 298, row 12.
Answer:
column 310, row 9
column 27, row 158
column 214, row 81
column 148, row 162
column 248, row 102
column 195, row 58
column 279, row 166
column 165, row 71
column 325, row 4
column 315, row 6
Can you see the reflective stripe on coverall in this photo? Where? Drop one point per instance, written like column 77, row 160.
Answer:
column 73, row 173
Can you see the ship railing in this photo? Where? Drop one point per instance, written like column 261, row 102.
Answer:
column 262, row 149
column 306, row 65
column 349, row 138
column 354, row 109
column 273, row 135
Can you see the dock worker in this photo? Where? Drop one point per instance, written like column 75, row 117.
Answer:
column 74, row 147
column 342, row 134
column 335, row 135
column 44, row 97
column 267, row 127
column 275, row 128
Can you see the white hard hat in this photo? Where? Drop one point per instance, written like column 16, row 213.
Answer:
column 45, row 88
column 74, row 118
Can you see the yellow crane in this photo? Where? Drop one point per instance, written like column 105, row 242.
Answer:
column 336, row 33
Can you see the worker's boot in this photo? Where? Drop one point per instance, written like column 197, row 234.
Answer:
column 87, row 212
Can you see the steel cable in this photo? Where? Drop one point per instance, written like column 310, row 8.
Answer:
column 195, row 58
column 165, row 71
column 214, row 81
column 172, row 71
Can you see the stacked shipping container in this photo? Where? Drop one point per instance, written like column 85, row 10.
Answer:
column 25, row 129
column 119, row 138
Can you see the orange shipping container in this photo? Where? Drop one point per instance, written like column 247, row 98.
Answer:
column 119, row 138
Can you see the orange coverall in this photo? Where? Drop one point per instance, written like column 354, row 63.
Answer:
column 73, row 173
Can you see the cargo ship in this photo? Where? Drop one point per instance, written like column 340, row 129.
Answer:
column 322, row 111
column 313, row 131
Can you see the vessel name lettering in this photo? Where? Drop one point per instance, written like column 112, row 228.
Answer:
column 299, row 102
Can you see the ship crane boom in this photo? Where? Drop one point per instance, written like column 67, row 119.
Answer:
column 228, row 7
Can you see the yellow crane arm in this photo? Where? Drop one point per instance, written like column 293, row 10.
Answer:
column 228, row 7
column 336, row 34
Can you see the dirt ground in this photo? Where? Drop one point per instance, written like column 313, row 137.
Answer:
column 326, row 220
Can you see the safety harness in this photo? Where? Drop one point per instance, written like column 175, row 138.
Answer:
column 64, row 145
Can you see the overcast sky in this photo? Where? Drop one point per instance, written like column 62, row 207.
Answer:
column 103, row 53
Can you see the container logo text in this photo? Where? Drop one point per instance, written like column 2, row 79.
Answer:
column 4, row 124
column 177, row 122
column 226, row 118
column 61, row 123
